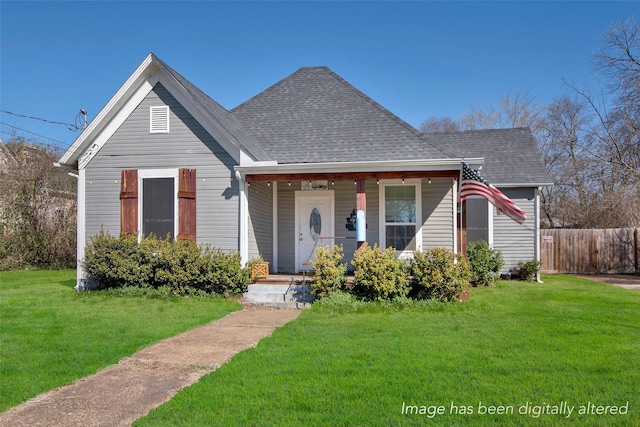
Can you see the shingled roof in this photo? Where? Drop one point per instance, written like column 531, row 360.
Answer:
column 315, row 116
column 223, row 116
column 511, row 156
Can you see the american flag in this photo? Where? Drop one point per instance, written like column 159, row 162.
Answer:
column 473, row 184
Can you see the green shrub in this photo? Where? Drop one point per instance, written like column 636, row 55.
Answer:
column 181, row 266
column 329, row 271
column 485, row 263
column 439, row 274
column 341, row 300
column 114, row 262
column 225, row 273
column 529, row 270
column 379, row 275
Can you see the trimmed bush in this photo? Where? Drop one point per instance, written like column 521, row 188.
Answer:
column 114, row 262
column 182, row 265
column 379, row 275
column 329, row 271
column 485, row 263
column 225, row 274
column 439, row 274
column 529, row 270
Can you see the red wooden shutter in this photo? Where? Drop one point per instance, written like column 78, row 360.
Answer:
column 187, row 204
column 129, row 202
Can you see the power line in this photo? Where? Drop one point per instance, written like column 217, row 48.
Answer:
column 70, row 126
column 61, row 144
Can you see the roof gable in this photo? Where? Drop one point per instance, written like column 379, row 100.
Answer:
column 214, row 118
column 315, row 116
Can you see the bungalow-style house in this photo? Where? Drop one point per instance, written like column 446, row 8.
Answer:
column 310, row 160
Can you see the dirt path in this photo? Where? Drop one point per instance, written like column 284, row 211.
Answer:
column 122, row 393
column 627, row 281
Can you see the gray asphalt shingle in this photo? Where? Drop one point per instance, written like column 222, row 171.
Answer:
column 316, row 116
column 511, row 156
column 242, row 138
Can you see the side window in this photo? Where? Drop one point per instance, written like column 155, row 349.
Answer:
column 477, row 220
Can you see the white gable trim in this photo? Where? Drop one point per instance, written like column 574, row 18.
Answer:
column 107, row 132
column 109, row 110
column 128, row 97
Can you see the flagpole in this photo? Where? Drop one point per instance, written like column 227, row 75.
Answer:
column 460, row 213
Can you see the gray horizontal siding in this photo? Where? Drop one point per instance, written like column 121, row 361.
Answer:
column 187, row 145
column 260, row 200
column 437, row 213
column 516, row 241
column 286, row 226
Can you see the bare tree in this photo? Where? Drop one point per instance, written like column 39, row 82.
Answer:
column 440, row 124
column 519, row 110
column 38, row 211
column 617, row 111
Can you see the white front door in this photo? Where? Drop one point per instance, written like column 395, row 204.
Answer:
column 314, row 225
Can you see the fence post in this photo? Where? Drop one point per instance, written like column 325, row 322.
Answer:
column 635, row 250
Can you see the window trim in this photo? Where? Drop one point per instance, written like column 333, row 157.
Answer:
column 154, row 112
column 158, row 173
column 417, row 183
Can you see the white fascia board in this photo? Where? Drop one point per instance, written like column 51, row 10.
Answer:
column 105, row 115
column 370, row 166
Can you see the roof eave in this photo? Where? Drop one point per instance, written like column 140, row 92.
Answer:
column 368, row 166
column 520, row 184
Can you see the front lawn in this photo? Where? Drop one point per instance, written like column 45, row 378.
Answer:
column 51, row 335
column 517, row 354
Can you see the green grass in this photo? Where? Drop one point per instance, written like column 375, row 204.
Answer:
column 51, row 335
column 567, row 340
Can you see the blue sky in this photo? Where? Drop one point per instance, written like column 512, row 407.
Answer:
column 418, row 59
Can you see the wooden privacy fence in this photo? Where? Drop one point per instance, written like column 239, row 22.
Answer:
column 606, row 251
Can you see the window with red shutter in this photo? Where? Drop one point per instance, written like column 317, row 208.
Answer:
column 157, row 203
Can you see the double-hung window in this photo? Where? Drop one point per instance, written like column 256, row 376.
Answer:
column 400, row 226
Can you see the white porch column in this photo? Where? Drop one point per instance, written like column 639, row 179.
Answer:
column 80, row 232
column 274, row 209
column 244, row 220
column 537, row 227
column 454, row 194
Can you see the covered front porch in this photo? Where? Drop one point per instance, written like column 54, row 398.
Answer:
column 287, row 211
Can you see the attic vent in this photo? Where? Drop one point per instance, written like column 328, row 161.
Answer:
column 159, row 122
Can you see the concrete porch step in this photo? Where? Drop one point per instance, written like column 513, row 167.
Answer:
column 277, row 305
column 278, row 292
